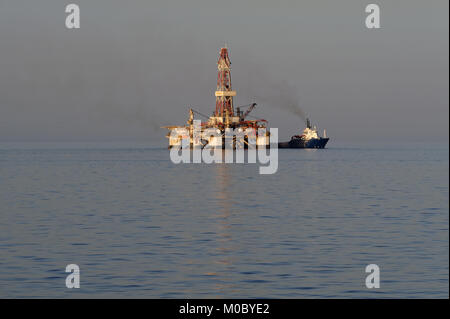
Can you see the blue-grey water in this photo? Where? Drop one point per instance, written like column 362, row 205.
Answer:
column 139, row 226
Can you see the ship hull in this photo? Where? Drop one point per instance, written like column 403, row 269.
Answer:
column 300, row 143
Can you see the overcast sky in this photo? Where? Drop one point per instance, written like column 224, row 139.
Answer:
column 136, row 65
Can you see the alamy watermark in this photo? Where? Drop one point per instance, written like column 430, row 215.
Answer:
column 373, row 279
column 373, row 18
column 232, row 150
column 73, row 279
column 73, row 17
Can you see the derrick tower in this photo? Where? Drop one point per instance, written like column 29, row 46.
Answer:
column 224, row 93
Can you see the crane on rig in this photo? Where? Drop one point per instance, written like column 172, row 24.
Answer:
column 243, row 115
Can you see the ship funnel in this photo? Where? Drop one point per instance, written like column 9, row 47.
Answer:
column 308, row 123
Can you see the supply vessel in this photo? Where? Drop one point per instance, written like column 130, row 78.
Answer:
column 308, row 139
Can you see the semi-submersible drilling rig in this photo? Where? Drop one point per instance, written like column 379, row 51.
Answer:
column 223, row 118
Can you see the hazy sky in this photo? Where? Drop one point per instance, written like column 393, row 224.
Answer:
column 134, row 66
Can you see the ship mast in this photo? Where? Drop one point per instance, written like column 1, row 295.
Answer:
column 224, row 93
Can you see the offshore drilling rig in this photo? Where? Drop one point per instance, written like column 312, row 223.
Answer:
column 224, row 117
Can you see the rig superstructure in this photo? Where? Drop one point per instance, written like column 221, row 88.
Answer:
column 224, row 117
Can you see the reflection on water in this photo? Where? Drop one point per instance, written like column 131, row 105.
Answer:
column 224, row 240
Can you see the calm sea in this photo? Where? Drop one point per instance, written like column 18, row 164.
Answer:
column 139, row 226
